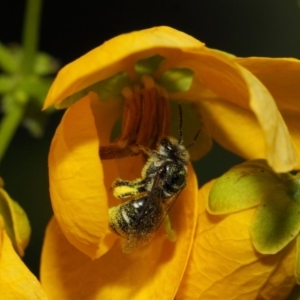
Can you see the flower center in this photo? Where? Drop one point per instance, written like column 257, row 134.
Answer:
column 146, row 118
column 147, row 99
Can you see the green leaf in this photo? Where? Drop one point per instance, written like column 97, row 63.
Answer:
column 106, row 89
column 7, row 83
column 148, row 66
column 177, row 80
column 277, row 219
column 242, row 187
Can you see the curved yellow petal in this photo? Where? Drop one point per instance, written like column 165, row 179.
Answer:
column 292, row 121
column 280, row 152
column 16, row 281
column 236, row 85
column 150, row 272
column 234, row 128
column 224, row 262
column 117, row 54
column 281, row 76
column 217, row 73
column 237, row 130
column 78, row 186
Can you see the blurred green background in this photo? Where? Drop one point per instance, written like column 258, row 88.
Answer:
column 71, row 28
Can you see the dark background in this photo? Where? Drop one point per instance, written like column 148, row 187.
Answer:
column 71, row 28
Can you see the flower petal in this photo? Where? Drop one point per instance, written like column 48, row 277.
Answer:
column 77, row 184
column 281, row 76
column 234, row 127
column 224, row 262
column 152, row 271
column 237, row 130
column 117, row 54
column 235, row 84
column 16, row 281
column 291, row 119
column 280, row 152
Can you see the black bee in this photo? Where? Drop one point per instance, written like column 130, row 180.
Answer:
column 163, row 178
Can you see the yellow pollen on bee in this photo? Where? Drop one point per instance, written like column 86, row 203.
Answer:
column 123, row 191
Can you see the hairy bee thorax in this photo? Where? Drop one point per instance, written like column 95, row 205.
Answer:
column 146, row 118
column 168, row 163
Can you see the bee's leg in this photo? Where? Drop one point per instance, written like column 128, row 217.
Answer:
column 145, row 150
column 125, row 188
column 170, row 232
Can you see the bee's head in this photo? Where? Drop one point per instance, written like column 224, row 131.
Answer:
column 171, row 148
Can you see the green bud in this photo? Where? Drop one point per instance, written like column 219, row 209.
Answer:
column 8, row 63
column 16, row 223
column 44, row 64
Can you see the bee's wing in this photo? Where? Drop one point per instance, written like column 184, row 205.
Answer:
column 166, row 205
column 156, row 198
column 151, row 216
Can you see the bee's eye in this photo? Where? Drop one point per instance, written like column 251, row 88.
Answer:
column 178, row 179
column 175, row 177
column 166, row 144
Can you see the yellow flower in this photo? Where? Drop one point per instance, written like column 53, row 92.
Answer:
column 223, row 262
column 140, row 73
column 16, row 281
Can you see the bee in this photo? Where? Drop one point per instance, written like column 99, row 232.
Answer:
column 163, row 178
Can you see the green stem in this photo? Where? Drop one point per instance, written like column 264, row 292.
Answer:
column 30, row 34
column 8, row 126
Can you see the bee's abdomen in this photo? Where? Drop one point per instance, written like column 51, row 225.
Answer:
column 131, row 217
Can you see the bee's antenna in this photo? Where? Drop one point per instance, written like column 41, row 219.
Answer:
column 194, row 140
column 180, row 123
